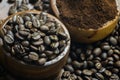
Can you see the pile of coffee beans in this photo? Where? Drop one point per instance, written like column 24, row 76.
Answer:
column 97, row 61
column 23, row 5
column 33, row 39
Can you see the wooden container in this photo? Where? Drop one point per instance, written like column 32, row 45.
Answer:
column 87, row 35
column 49, row 71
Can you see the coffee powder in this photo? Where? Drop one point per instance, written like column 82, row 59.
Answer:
column 86, row 13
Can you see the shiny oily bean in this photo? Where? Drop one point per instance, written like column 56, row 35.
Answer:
column 36, row 23
column 87, row 72
column 77, row 65
column 107, row 73
column 18, row 36
column 9, row 39
column 113, row 41
column 37, row 43
column 117, row 63
column 54, row 45
column 97, row 51
column 69, row 68
column 44, row 28
column 53, row 37
column 66, row 74
column 99, row 76
column 25, row 43
column 33, row 56
column 47, row 40
column 28, row 24
column 42, row 61
column 33, row 47
column 41, row 48
column 36, row 36
column 24, row 33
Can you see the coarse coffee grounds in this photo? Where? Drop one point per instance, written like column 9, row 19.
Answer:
column 86, row 13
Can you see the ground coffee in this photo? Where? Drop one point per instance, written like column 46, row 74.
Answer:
column 86, row 13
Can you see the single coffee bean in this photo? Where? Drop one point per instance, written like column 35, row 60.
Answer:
column 44, row 28
column 62, row 35
column 72, row 77
column 49, row 53
column 106, row 47
column 25, row 43
column 69, row 68
column 115, row 70
column 19, row 20
column 78, row 72
column 43, row 55
column 97, row 51
column 104, row 56
column 56, row 51
column 33, row 56
column 102, row 70
column 21, row 27
column 98, row 65
column 107, row 73
column 82, row 55
column 9, row 39
column 66, row 74
column 77, row 64
column 47, row 40
column 113, row 41
column 41, row 48
column 42, row 61
column 87, row 72
column 36, row 23
column 37, row 43
column 116, row 57
column 79, row 78
column 54, row 45
column 18, row 36
column 36, row 36
column 28, row 24
column 117, row 63
column 24, row 33
column 53, row 37
column 33, row 47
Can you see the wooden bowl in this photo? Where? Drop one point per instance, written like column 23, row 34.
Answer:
column 87, row 35
column 51, row 68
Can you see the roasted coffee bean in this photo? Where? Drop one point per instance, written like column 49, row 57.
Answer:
column 37, row 43
column 54, row 45
column 117, row 63
column 12, row 10
column 33, row 56
column 27, row 18
column 19, row 20
column 62, row 35
column 56, row 51
column 72, row 77
column 107, row 73
column 19, row 37
column 77, row 64
column 102, row 70
column 69, row 68
column 28, row 24
column 66, row 74
column 42, row 61
column 87, row 72
column 7, row 27
column 113, row 41
column 41, row 48
column 99, row 76
column 104, row 56
column 49, row 53
column 78, row 72
column 47, row 40
column 36, row 36
column 36, row 23
column 62, row 43
column 24, row 33
column 9, row 39
column 87, row 78
column 116, row 57
column 44, row 28
column 115, row 70
column 43, row 55
column 106, row 47
column 25, row 43
column 52, row 57
column 55, row 38
column 97, row 51
column 33, row 47
column 79, row 78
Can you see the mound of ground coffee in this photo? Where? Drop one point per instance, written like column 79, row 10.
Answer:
column 86, row 13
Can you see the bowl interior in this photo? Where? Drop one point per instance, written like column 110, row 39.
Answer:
column 53, row 61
